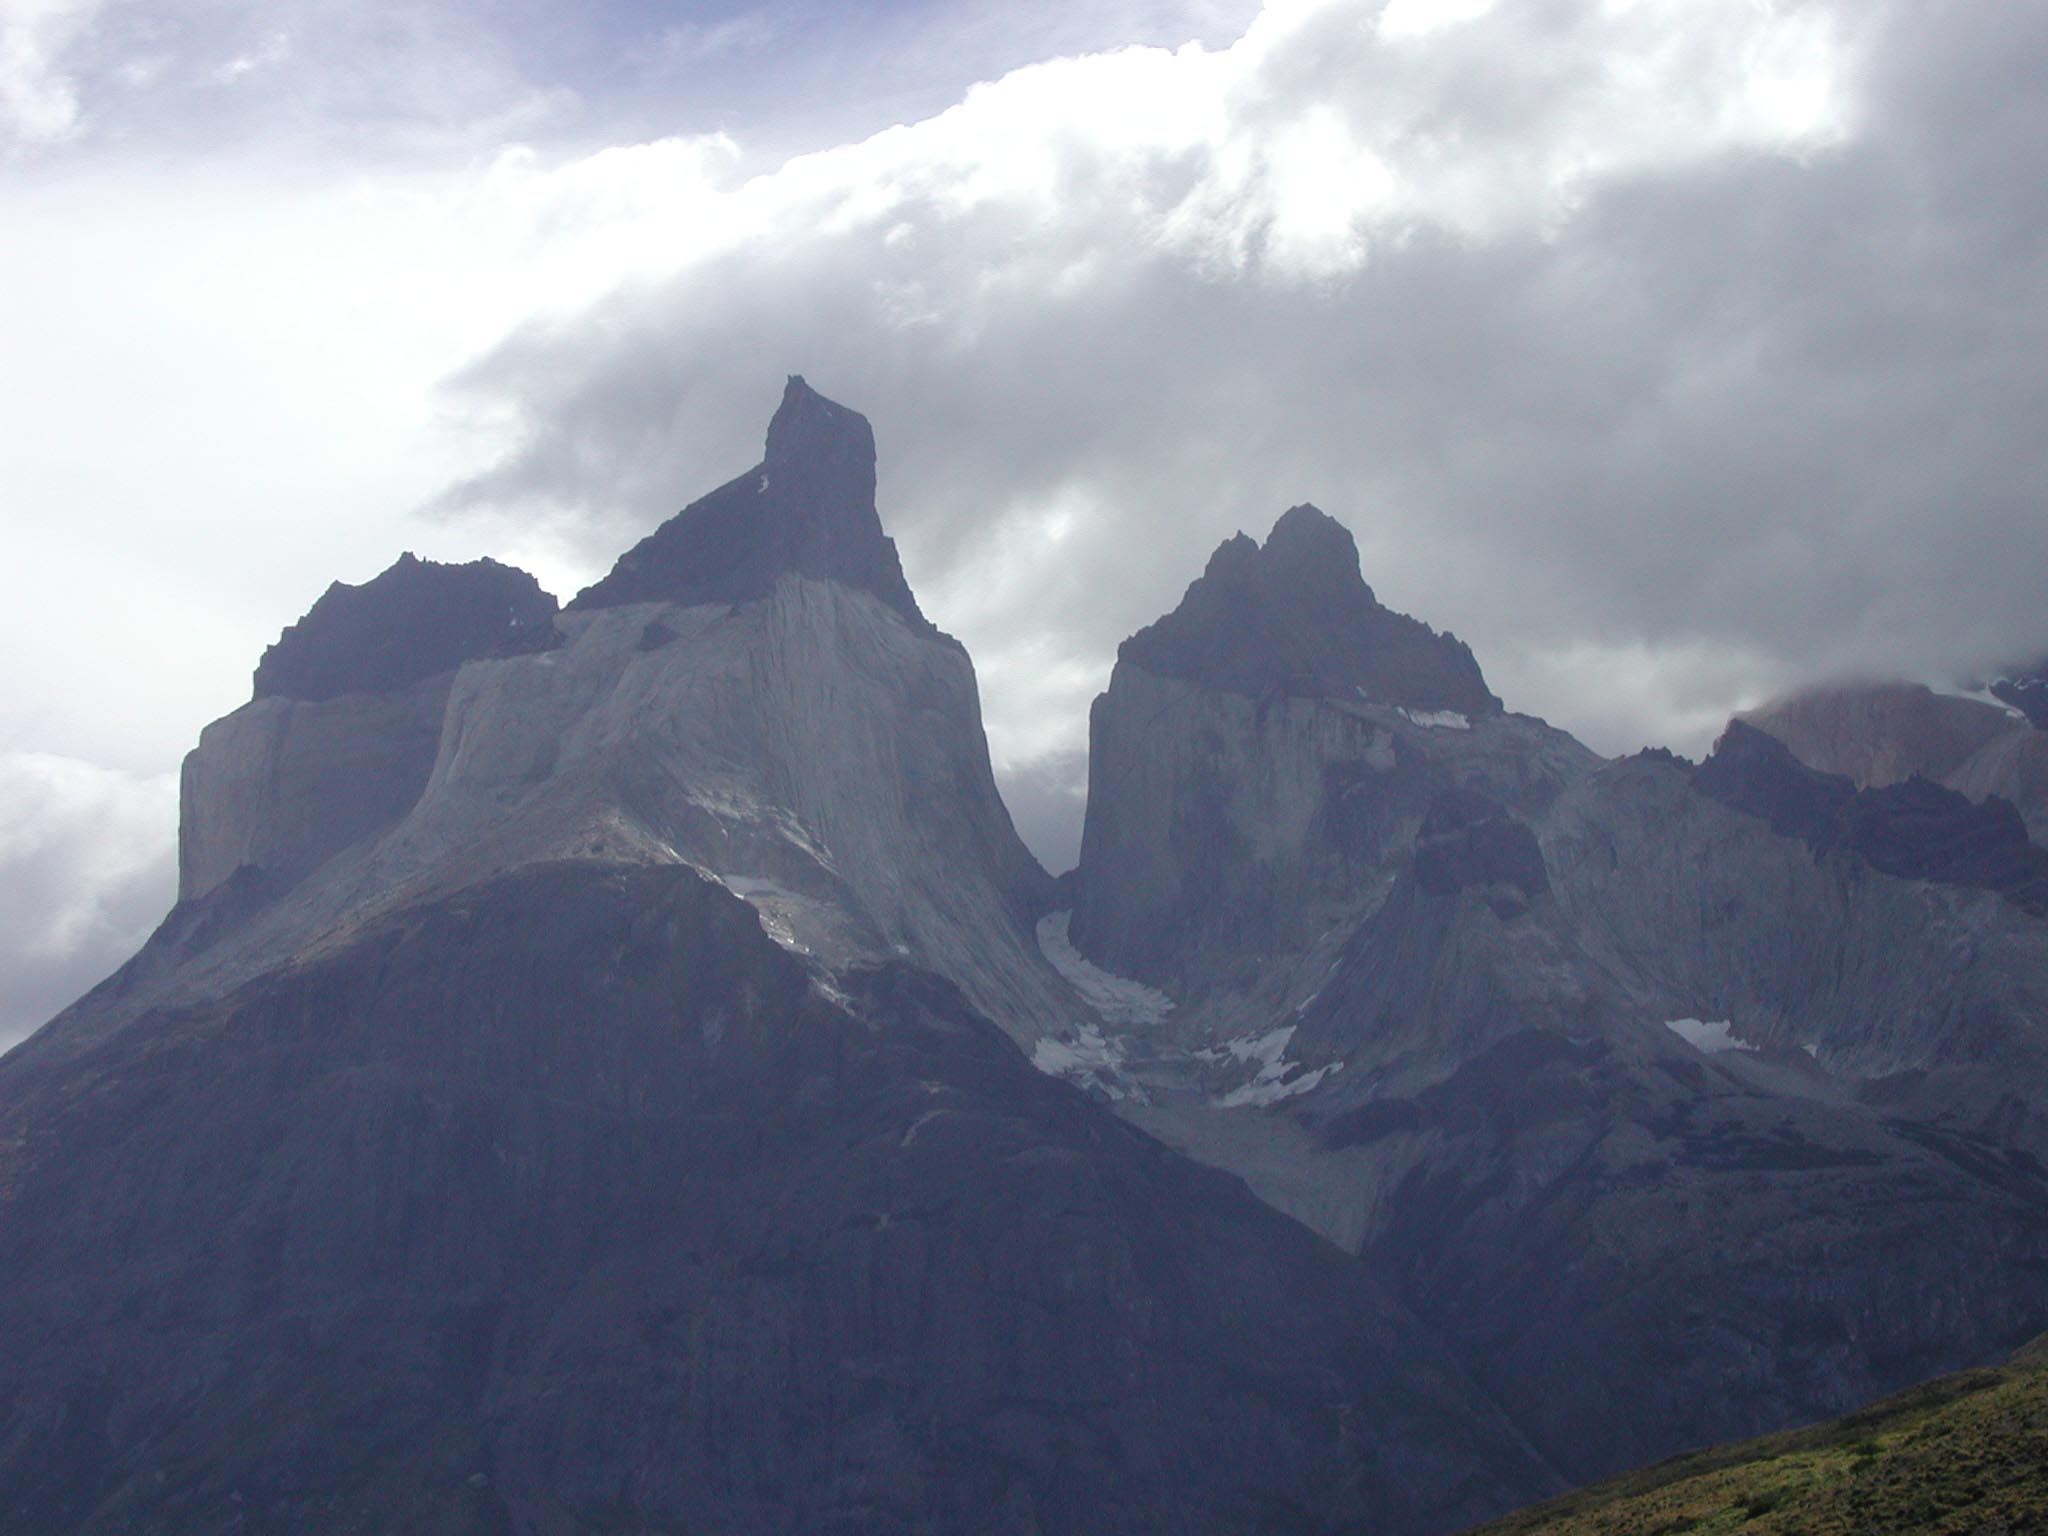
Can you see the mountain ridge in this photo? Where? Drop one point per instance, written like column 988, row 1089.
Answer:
column 656, row 1007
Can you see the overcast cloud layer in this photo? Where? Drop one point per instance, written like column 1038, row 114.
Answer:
column 1671, row 352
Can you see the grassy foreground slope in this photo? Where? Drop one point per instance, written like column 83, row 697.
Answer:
column 1963, row 1455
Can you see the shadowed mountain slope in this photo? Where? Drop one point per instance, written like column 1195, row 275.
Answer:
column 570, row 1202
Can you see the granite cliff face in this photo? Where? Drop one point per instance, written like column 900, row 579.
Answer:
column 580, row 1090
column 342, row 733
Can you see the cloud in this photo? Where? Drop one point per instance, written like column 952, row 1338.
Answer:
column 87, row 869
column 1667, row 351
column 38, row 96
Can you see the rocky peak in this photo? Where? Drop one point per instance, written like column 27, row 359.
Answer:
column 1295, row 615
column 1310, row 544
column 808, row 508
column 810, row 436
column 415, row 620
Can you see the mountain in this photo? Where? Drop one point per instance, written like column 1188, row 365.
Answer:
column 1879, row 734
column 583, row 1087
column 1967, row 1452
column 1261, row 747
column 614, row 1067
column 1687, row 1101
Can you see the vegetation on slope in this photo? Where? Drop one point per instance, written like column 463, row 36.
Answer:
column 1964, row 1454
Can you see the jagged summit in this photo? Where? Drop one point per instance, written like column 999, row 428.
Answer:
column 1296, row 615
column 1308, row 542
column 810, row 432
column 807, row 508
column 414, row 620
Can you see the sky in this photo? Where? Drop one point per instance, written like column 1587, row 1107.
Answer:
column 1674, row 353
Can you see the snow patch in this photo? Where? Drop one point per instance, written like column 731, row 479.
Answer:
column 1271, row 1083
column 1438, row 719
column 1709, row 1036
column 1087, row 1057
column 764, row 483
column 1118, row 999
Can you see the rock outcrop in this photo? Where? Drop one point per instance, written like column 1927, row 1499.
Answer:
column 340, row 738
column 1915, row 829
column 2026, row 690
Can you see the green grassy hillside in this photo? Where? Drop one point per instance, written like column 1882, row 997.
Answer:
column 1964, row 1455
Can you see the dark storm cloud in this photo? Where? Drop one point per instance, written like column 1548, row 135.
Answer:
column 1657, row 431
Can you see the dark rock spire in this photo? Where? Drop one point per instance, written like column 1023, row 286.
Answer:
column 1297, row 616
column 807, row 508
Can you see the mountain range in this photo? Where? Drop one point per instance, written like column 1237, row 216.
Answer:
column 613, row 1067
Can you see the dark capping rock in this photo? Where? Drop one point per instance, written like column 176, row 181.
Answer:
column 1918, row 830
column 1469, row 842
column 1297, row 617
column 416, row 620
column 1756, row 773
column 1927, row 831
column 807, row 508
